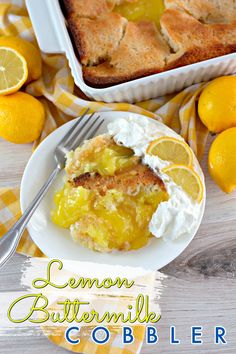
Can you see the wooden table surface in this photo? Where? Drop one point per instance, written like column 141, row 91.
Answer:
column 200, row 288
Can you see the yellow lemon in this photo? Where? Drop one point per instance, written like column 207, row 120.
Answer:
column 13, row 71
column 21, row 118
column 217, row 104
column 222, row 160
column 31, row 54
column 171, row 149
column 187, row 179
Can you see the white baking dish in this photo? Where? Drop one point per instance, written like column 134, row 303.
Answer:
column 53, row 37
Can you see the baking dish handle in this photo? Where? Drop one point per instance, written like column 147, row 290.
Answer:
column 44, row 25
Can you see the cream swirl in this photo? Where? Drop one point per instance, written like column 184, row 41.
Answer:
column 179, row 215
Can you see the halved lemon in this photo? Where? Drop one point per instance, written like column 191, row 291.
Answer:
column 171, row 149
column 13, row 71
column 187, row 179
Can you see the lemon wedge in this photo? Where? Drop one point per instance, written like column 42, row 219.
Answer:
column 172, row 150
column 187, row 179
column 13, row 71
column 31, row 54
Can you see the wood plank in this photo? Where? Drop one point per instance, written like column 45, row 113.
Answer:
column 13, row 161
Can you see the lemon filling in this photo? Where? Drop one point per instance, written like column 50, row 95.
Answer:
column 115, row 220
column 142, row 10
column 106, row 159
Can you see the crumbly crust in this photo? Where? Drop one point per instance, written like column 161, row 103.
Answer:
column 193, row 41
column 88, row 8
column 91, row 8
column 141, row 52
column 104, row 75
column 207, row 11
column 129, row 181
column 81, row 154
column 99, row 42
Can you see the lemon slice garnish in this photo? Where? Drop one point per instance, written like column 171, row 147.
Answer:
column 13, row 71
column 187, row 179
column 172, row 150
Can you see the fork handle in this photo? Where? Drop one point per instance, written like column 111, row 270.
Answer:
column 10, row 241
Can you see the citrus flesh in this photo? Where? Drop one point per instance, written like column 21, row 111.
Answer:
column 13, row 71
column 172, row 150
column 31, row 54
column 187, row 179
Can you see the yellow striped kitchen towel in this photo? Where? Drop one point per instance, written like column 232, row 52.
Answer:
column 9, row 214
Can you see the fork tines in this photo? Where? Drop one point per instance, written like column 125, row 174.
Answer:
column 90, row 128
column 84, row 128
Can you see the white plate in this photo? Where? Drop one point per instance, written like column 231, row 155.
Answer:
column 56, row 242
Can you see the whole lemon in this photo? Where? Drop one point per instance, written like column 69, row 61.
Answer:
column 217, row 104
column 222, row 160
column 21, row 118
column 31, row 54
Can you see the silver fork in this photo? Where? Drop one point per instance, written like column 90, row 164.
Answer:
column 84, row 128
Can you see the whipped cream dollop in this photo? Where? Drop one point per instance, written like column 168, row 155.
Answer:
column 178, row 216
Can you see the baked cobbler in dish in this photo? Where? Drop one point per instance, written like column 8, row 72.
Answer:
column 113, row 49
